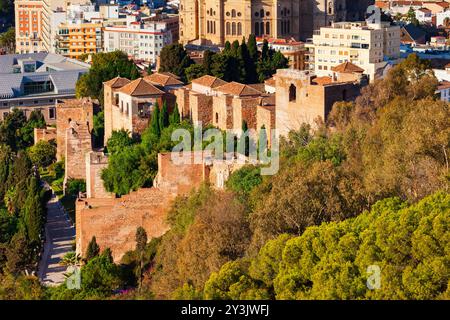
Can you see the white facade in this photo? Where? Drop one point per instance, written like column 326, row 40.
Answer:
column 368, row 46
column 141, row 41
column 441, row 16
column 424, row 15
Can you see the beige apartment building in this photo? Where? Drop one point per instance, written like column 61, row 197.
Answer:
column 217, row 21
column 368, row 46
column 75, row 39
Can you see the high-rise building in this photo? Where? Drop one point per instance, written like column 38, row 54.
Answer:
column 29, row 26
column 35, row 23
column 218, row 21
column 368, row 46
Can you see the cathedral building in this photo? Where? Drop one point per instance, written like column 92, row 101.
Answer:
column 213, row 22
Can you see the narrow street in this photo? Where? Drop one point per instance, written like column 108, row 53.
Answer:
column 60, row 234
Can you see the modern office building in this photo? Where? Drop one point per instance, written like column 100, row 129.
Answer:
column 36, row 81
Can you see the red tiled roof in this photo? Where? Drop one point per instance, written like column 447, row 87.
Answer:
column 117, row 82
column 238, row 89
column 162, row 79
column 347, row 67
column 140, row 87
column 322, row 80
column 209, row 81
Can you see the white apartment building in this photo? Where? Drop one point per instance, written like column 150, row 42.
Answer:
column 368, row 46
column 139, row 40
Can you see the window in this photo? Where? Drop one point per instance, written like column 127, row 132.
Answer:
column 51, row 113
column 233, row 28
column 217, row 117
column 239, row 29
column 228, row 30
column 261, row 13
column 233, row 13
column 256, row 28
column 267, row 27
column 292, row 93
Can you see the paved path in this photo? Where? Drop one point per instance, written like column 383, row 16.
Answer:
column 59, row 236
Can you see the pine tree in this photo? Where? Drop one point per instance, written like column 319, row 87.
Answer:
column 175, row 116
column 164, row 117
column 154, row 124
column 93, row 249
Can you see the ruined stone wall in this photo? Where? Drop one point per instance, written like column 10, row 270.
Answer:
column 344, row 92
column 265, row 115
column 114, row 221
column 244, row 110
column 182, row 98
column 78, row 143
column 108, row 101
column 46, row 134
column 223, row 112
column 95, row 163
column 78, row 110
column 201, row 108
column 307, row 105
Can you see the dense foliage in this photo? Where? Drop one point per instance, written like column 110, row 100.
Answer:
column 333, row 261
column 104, row 67
column 237, row 62
column 133, row 163
column 360, row 179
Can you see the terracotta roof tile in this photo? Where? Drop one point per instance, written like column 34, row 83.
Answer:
column 209, row 81
column 117, row 82
column 444, row 85
column 270, row 82
column 238, row 89
column 322, row 80
column 140, row 87
column 170, row 74
column 163, row 79
column 347, row 67
column 261, row 87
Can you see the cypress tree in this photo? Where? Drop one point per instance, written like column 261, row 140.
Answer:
column 175, row 116
column 227, row 48
column 164, row 117
column 247, row 139
column 141, row 243
column 154, row 124
column 235, row 47
column 207, row 61
column 33, row 213
column 252, row 47
column 265, row 50
column 93, row 249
